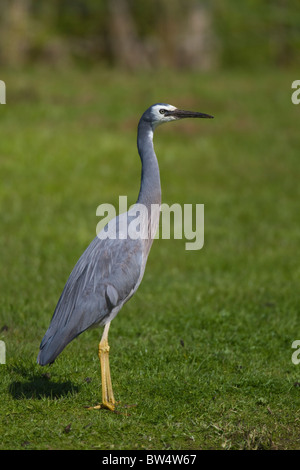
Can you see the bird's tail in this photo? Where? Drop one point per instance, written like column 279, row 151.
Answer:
column 49, row 350
column 53, row 344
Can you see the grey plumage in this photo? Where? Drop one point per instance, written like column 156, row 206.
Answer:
column 110, row 270
column 103, row 279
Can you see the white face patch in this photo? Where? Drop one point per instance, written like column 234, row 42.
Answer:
column 158, row 115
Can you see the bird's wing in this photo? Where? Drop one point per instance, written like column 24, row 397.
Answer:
column 105, row 276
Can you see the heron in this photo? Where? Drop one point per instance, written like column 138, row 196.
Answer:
column 111, row 269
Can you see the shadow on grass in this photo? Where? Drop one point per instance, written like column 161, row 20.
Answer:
column 36, row 386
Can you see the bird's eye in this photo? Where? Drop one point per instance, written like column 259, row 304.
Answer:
column 162, row 111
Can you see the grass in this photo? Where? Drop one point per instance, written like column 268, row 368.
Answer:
column 204, row 348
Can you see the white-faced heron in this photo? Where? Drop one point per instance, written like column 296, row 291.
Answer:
column 110, row 270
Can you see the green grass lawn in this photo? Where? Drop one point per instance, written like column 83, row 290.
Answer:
column 204, row 347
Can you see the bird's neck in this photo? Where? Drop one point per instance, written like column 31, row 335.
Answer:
column 150, row 190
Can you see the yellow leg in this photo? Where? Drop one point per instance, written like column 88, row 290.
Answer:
column 108, row 400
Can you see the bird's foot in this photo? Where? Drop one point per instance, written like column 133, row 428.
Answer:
column 105, row 405
column 110, row 407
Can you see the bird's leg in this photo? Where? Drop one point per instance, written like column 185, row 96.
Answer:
column 108, row 400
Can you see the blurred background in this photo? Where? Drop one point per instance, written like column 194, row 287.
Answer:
column 191, row 34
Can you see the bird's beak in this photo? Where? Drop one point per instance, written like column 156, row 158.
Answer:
column 180, row 114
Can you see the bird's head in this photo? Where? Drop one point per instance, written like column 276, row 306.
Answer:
column 161, row 112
